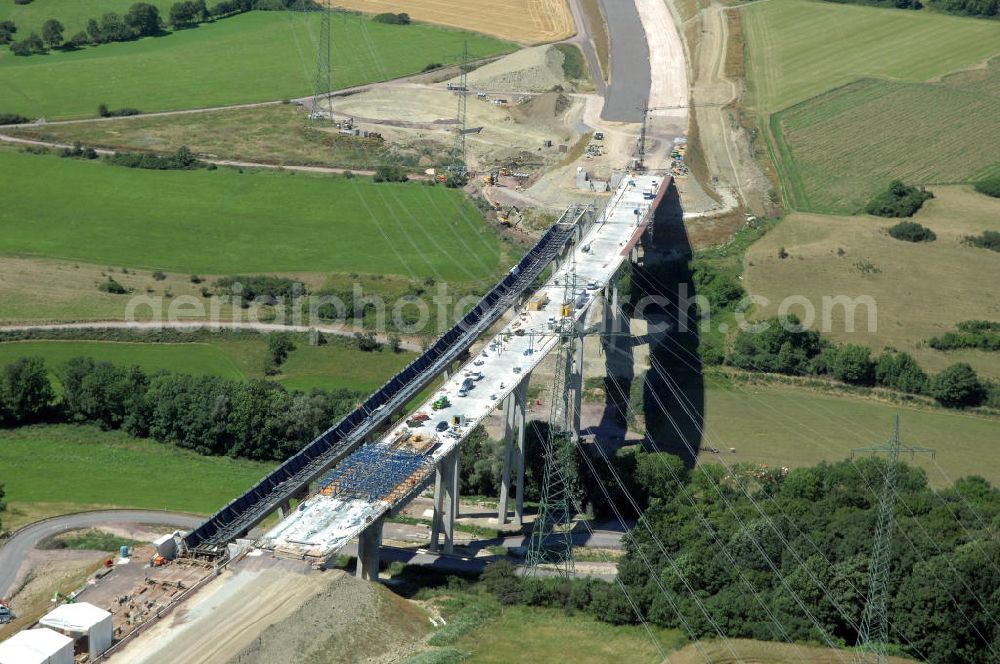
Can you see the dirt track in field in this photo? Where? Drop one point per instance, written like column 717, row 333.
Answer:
column 522, row 21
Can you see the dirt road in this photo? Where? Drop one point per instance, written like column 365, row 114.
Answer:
column 15, row 550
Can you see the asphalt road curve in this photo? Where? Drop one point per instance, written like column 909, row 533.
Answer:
column 16, row 549
column 628, row 90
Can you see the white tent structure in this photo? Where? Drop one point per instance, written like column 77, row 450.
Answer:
column 82, row 621
column 37, row 646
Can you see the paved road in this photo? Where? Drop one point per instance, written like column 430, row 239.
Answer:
column 340, row 330
column 16, row 549
column 628, row 91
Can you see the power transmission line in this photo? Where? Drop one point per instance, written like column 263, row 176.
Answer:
column 324, row 68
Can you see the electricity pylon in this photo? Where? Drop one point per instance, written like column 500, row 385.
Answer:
column 552, row 535
column 458, row 163
column 324, row 68
column 873, row 634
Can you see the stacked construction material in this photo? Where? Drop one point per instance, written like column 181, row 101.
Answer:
column 372, row 473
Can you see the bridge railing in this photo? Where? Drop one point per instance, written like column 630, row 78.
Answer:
column 247, row 510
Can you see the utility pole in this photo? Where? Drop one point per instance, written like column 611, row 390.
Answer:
column 458, row 165
column 552, row 535
column 873, row 634
column 324, row 69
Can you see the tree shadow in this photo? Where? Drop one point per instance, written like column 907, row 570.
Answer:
column 674, row 388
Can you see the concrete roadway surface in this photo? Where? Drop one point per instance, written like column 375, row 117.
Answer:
column 628, row 90
column 16, row 549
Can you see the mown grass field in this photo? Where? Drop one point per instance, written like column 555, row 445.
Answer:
column 56, row 469
column 735, row 651
column 226, row 222
column 920, row 290
column 253, row 57
column 788, row 425
column 845, row 146
column 800, row 48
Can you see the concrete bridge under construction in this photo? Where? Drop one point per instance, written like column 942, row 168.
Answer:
column 369, row 465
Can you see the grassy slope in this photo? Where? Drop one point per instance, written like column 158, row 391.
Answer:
column 921, row 291
column 800, row 48
column 73, row 14
column 192, row 358
column 75, row 466
column 227, row 222
column 896, row 130
column 791, row 426
column 552, row 636
column 252, row 57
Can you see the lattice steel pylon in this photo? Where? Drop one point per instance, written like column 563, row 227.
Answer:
column 552, row 535
column 873, row 635
column 458, row 158
column 324, row 69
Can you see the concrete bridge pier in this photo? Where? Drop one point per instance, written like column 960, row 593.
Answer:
column 285, row 506
column 613, row 323
column 574, row 379
column 369, row 542
column 514, row 427
column 446, row 483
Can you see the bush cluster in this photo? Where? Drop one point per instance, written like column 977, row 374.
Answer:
column 256, row 419
column 981, row 334
column 105, row 112
column 985, row 240
column 990, row 186
column 181, row 160
column 390, row 174
column 911, row 231
column 789, row 349
column 899, row 200
column 259, row 287
column 392, row 19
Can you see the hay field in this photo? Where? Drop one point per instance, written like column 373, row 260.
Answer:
column 523, row 21
column 745, row 651
column 843, row 147
column 798, row 48
column 921, row 290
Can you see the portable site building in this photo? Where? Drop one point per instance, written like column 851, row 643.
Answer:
column 37, row 646
column 85, row 623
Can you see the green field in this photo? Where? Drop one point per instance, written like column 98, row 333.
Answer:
column 799, row 48
column 783, row 425
column 845, row 146
column 226, row 222
column 57, row 469
column 190, row 358
column 253, row 57
column 73, row 14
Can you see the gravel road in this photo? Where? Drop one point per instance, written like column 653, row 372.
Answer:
column 14, row 551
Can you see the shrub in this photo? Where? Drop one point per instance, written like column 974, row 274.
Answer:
column 392, row 19
column 390, row 174
column 433, row 65
column 13, row 118
column 180, row 160
column 784, row 346
column 985, row 240
column 367, row 342
column 900, row 371
column 265, row 287
column 159, row 275
column 957, row 386
column 852, row 364
column 899, row 200
column 990, row 187
column 911, row 231
column 981, row 334
column 113, row 287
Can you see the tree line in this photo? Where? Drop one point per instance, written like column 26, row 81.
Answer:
column 780, row 534
column 142, row 20
column 786, row 347
column 256, row 419
column 976, row 8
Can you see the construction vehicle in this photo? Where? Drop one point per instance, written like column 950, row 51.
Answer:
column 505, row 172
column 6, row 613
column 442, row 402
column 491, row 179
column 538, row 302
column 505, row 217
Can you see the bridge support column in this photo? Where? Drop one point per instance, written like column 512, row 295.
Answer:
column 446, row 483
column 514, row 417
column 574, row 379
column 613, row 323
column 284, row 508
column 369, row 542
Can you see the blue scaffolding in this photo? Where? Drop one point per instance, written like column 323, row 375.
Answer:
column 372, row 473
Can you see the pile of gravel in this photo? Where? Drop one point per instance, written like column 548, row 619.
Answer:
column 536, row 69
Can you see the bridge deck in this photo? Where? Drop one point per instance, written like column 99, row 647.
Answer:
column 331, row 518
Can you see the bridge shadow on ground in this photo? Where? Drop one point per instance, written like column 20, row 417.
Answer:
column 673, row 394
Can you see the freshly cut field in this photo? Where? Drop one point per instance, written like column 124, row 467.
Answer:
column 741, row 651
column 524, row 21
column 799, row 48
column 253, row 57
column 921, row 290
column 843, row 147
column 50, row 470
column 190, row 358
column 226, row 222
column 784, row 425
